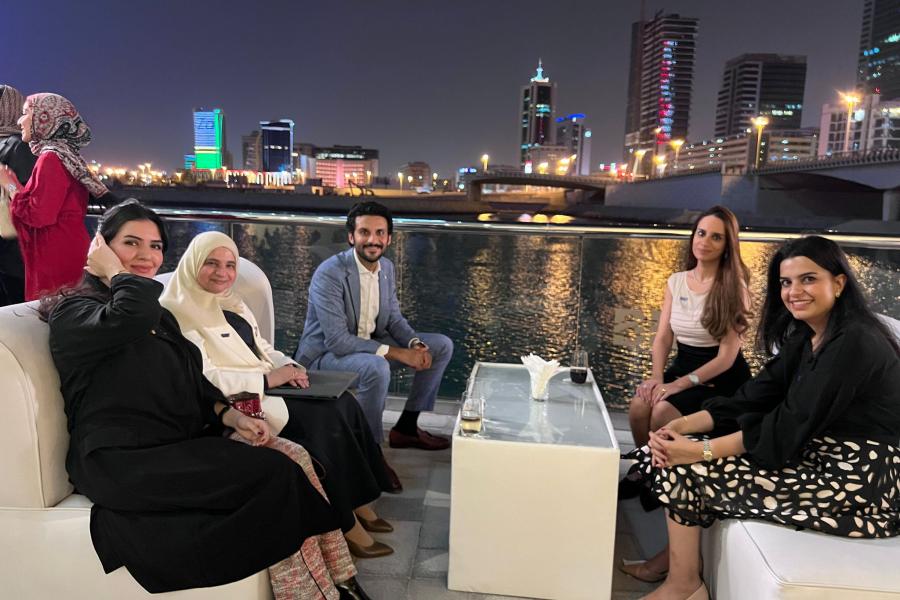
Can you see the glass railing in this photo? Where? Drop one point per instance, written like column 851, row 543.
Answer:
column 500, row 291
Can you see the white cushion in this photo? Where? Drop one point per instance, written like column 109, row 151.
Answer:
column 47, row 553
column 756, row 560
column 35, row 440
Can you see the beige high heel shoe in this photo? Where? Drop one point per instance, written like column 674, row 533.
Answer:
column 701, row 593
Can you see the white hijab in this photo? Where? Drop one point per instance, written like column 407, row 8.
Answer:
column 200, row 311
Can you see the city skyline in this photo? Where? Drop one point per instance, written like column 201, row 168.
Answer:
column 435, row 83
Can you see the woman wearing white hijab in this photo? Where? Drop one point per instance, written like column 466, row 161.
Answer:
column 236, row 358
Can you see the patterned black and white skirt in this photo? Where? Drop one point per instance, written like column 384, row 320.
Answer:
column 842, row 487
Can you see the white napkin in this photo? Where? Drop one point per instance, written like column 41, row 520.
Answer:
column 540, row 371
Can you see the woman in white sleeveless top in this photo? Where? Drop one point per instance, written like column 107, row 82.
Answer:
column 705, row 313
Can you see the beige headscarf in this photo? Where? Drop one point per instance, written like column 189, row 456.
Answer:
column 200, row 311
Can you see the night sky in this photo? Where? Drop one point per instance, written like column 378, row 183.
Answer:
column 425, row 80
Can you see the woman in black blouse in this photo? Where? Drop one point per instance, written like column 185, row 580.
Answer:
column 174, row 502
column 819, row 426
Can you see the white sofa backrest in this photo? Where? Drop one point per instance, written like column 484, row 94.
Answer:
column 35, row 439
column 34, row 442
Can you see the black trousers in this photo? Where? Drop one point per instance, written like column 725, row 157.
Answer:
column 336, row 434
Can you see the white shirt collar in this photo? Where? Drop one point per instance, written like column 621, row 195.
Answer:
column 362, row 268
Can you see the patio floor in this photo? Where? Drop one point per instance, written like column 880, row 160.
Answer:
column 421, row 517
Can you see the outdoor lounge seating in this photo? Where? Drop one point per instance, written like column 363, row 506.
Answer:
column 45, row 543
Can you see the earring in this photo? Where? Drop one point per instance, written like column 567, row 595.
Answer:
column 837, row 295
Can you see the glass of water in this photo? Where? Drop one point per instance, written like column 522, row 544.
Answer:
column 471, row 413
column 579, row 368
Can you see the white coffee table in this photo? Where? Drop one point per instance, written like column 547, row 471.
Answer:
column 533, row 496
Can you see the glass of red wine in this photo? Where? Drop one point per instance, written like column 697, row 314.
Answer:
column 578, row 370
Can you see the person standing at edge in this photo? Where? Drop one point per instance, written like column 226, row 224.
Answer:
column 15, row 154
column 353, row 323
column 48, row 212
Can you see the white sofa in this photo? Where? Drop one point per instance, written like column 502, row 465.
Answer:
column 45, row 542
column 755, row 560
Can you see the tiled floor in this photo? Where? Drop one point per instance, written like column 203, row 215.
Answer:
column 421, row 517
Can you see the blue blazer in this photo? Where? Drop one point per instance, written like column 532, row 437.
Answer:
column 332, row 314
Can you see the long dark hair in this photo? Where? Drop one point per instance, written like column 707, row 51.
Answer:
column 852, row 305
column 109, row 225
column 725, row 307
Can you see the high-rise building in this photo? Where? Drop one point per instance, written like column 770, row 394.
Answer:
column 277, row 144
column 537, row 109
column 571, row 133
column 210, row 147
column 760, row 84
column 251, row 151
column 661, row 80
column 879, row 49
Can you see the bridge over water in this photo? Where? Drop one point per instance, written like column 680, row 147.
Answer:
column 852, row 186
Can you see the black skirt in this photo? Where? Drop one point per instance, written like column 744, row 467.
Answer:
column 337, row 436
column 689, row 359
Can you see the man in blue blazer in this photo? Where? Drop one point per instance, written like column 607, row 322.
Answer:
column 353, row 323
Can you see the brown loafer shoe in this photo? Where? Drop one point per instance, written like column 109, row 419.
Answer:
column 396, row 486
column 422, row 440
column 374, row 550
column 378, row 525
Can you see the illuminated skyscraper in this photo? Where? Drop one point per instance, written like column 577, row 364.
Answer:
column 210, row 148
column 879, row 49
column 660, row 86
column 276, row 143
column 538, row 107
column 571, row 133
column 761, row 84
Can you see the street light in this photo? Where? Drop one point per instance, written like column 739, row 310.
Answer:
column 656, row 133
column 400, row 179
column 677, row 144
column 484, row 162
column 851, row 100
column 638, row 159
column 660, row 162
column 760, row 124
column 368, row 177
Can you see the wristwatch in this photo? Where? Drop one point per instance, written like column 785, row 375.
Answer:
column 12, row 189
column 692, row 377
column 707, row 451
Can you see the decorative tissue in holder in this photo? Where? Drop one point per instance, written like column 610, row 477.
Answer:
column 540, row 371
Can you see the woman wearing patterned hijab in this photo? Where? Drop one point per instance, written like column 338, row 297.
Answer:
column 48, row 212
column 15, row 154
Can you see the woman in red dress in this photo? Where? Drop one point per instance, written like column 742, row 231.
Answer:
column 48, row 212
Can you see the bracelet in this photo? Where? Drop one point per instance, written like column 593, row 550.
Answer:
column 707, row 450
column 222, row 414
